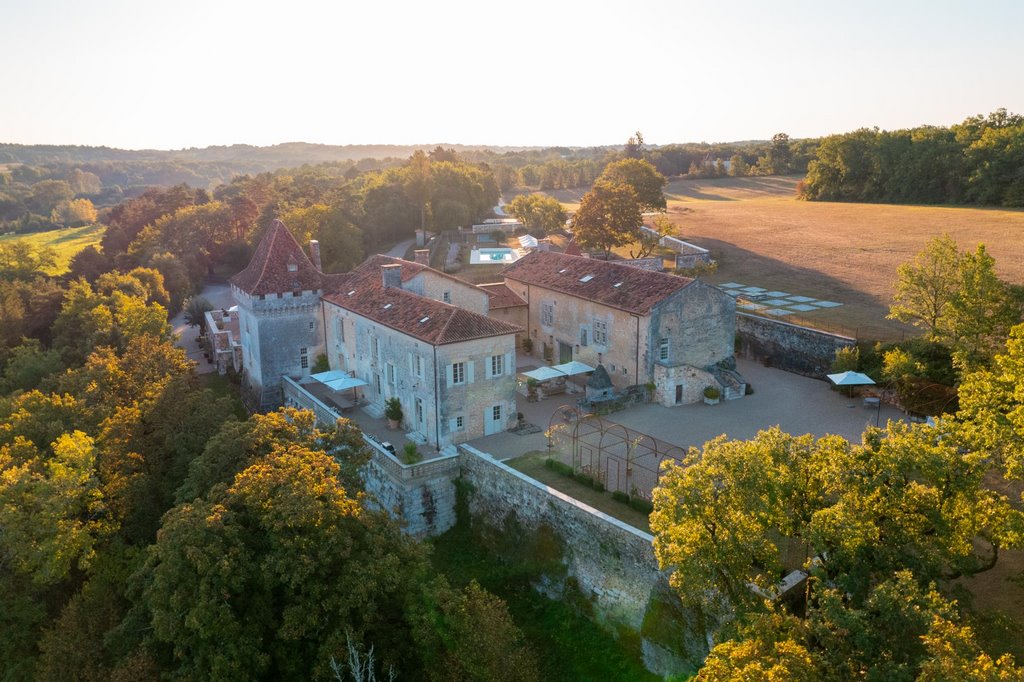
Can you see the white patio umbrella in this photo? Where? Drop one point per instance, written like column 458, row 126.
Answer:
column 573, row 367
column 850, row 379
column 856, row 379
column 338, row 381
column 544, row 373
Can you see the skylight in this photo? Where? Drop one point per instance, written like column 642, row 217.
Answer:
column 586, row 278
column 563, row 271
column 617, row 284
column 424, row 319
column 386, row 306
column 351, row 292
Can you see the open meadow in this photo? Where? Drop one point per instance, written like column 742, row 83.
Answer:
column 66, row 242
column 761, row 235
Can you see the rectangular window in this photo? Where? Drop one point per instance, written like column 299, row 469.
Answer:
column 304, row 358
column 663, row 349
column 391, row 374
column 458, row 373
column 497, row 365
column 417, row 366
column 311, row 326
column 460, row 423
column 600, row 332
column 447, row 297
column 547, row 314
column 373, row 348
column 496, row 413
column 583, row 336
column 341, row 330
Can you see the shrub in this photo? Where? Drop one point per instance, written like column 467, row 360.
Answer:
column 598, row 486
column 412, row 453
column 620, row 496
column 712, row 393
column 641, row 505
column 558, row 467
column 846, row 360
column 528, row 345
column 749, row 390
column 585, row 479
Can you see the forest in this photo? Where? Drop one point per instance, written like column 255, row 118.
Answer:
column 979, row 161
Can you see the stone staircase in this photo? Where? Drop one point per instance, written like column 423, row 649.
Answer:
column 374, row 410
column 733, row 385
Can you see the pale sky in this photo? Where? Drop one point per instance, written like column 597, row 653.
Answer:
column 191, row 73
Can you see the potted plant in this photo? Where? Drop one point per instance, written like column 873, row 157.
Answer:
column 711, row 395
column 531, row 390
column 650, row 386
column 393, row 412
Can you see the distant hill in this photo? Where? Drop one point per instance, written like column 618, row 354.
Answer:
column 289, row 154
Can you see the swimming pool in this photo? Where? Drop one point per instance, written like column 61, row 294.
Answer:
column 493, row 256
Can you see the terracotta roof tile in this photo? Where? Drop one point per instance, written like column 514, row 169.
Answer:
column 362, row 291
column 502, row 296
column 608, row 283
column 278, row 265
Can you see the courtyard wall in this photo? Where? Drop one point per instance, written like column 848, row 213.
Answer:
column 788, row 346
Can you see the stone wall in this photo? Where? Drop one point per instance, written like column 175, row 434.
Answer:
column 790, row 347
column 612, row 561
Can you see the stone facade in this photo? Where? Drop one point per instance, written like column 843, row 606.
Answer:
column 443, row 403
column 695, row 323
column 787, row 346
column 274, row 330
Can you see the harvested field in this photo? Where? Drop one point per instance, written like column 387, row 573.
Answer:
column 761, row 235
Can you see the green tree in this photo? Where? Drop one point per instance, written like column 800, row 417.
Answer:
column 28, row 365
column 195, row 309
column 268, row 576
column 647, row 242
column 609, row 216
column 19, row 259
column 927, row 285
column 979, row 316
column 537, row 212
column 647, row 183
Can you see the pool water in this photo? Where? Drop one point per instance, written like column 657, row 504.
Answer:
column 490, row 256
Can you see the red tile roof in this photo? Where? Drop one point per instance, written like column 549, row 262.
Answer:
column 619, row 286
column 502, row 296
column 268, row 271
column 362, row 291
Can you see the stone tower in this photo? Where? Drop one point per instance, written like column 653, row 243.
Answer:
column 280, row 322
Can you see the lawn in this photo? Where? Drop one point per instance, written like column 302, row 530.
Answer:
column 66, row 242
column 532, row 464
column 762, row 235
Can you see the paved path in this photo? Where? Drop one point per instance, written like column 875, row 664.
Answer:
column 219, row 295
column 400, row 249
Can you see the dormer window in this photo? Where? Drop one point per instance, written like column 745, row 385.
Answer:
column 293, row 267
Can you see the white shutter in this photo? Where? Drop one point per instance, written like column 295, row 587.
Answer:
column 453, row 425
column 411, row 372
column 469, row 371
column 509, row 367
column 449, row 372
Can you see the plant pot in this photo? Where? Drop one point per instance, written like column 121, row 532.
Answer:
column 711, row 401
column 393, row 424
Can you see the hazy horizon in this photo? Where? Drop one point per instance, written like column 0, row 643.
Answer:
column 167, row 77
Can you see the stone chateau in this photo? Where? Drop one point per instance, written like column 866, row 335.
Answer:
column 446, row 349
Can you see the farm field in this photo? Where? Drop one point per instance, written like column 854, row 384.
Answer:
column 66, row 242
column 761, row 235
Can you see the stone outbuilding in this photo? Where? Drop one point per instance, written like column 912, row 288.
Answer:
column 644, row 327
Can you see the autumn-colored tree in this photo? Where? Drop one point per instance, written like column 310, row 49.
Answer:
column 74, row 213
column 19, row 259
column 608, row 216
column 268, row 576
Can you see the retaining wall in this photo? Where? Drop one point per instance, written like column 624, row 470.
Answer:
column 788, row 346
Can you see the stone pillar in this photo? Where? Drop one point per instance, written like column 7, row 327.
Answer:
column 421, row 237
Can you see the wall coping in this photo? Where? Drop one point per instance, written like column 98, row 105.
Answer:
column 571, row 501
column 796, row 326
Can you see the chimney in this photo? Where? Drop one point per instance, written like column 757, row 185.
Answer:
column 314, row 254
column 392, row 275
column 422, row 256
